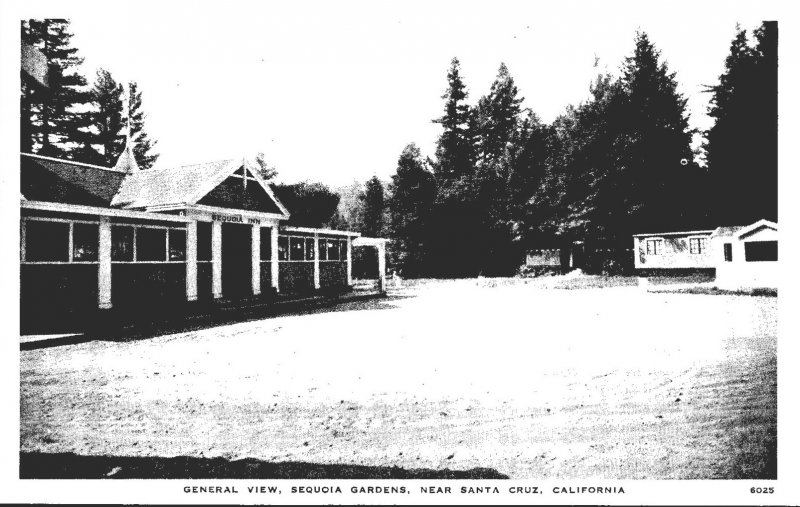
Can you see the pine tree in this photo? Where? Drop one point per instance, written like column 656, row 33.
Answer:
column 654, row 145
column 457, row 212
column 143, row 149
column 108, row 117
column 497, row 129
column 53, row 121
column 741, row 147
column 412, row 196
column 372, row 208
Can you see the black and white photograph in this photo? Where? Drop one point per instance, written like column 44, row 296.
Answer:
column 399, row 252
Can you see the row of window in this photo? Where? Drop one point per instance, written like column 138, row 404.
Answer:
column 63, row 241
column 697, row 246
column 293, row 248
column 754, row 251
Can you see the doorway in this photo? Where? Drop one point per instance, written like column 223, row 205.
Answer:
column 236, row 260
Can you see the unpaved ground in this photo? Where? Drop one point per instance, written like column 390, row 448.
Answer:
column 531, row 382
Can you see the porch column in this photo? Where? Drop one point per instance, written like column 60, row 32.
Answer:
column 382, row 266
column 104, row 264
column 274, row 257
column 349, row 261
column 636, row 252
column 255, row 255
column 191, row 261
column 316, row 260
column 216, row 259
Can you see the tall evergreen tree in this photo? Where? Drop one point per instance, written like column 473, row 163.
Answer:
column 143, row 149
column 412, row 196
column 372, row 208
column 741, row 147
column 109, row 117
column 54, row 121
column 454, row 250
column 655, row 144
column 497, row 130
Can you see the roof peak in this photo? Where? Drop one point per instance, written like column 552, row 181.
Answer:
column 127, row 161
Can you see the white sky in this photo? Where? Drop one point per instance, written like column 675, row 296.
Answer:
column 332, row 91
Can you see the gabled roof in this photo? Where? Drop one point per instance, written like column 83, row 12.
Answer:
column 168, row 186
column 756, row 226
column 55, row 180
column 184, row 185
column 739, row 231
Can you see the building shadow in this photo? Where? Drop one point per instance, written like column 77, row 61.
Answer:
column 145, row 328
column 35, row 465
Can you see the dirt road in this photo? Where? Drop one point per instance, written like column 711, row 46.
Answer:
column 531, row 382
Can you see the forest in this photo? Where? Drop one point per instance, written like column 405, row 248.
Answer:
column 501, row 180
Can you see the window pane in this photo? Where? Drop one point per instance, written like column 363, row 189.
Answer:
column 46, row 241
column 84, row 242
column 266, row 243
column 151, row 244
column 298, row 252
column 323, row 250
column 309, row 249
column 333, row 250
column 177, row 245
column 758, row 251
column 122, row 244
column 203, row 241
column 343, row 249
column 283, row 248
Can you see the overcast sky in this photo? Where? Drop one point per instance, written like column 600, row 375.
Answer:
column 332, row 91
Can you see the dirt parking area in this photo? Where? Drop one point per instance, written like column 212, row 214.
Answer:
column 528, row 380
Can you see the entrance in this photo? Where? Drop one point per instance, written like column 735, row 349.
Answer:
column 236, row 260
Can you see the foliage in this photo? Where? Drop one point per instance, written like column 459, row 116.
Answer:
column 54, row 121
column 310, row 204
column 742, row 145
column 143, row 148
column 412, row 196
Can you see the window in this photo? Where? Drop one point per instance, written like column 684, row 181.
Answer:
column 46, row 241
column 343, row 249
column 697, row 245
column 298, row 251
column 203, row 241
column 727, row 249
column 654, row 246
column 323, row 250
column 85, row 240
column 760, row 251
column 283, row 248
column 266, row 244
column 309, row 249
column 151, row 244
column 122, row 244
column 333, row 249
column 177, row 245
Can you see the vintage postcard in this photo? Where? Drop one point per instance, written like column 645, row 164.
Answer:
column 399, row 252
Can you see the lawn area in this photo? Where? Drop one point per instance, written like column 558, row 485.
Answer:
column 511, row 376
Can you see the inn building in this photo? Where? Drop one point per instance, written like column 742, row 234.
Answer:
column 103, row 240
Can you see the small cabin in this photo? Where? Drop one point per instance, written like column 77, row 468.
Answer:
column 741, row 257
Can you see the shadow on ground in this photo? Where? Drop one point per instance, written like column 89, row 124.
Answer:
column 72, row 466
column 150, row 329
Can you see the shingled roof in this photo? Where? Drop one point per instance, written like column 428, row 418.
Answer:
column 64, row 181
column 53, row 180
column 169, row 186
